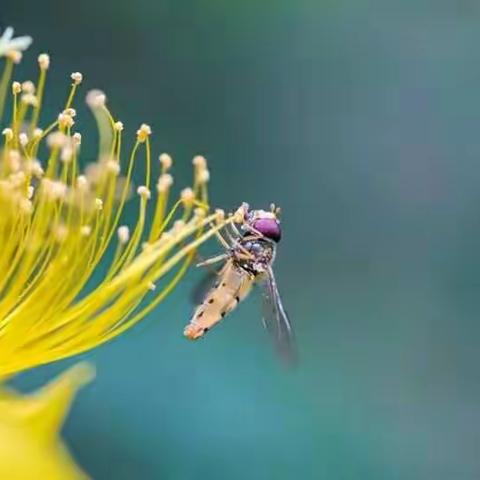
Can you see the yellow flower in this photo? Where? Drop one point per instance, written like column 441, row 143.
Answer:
column 29, row 426
column 58, row 224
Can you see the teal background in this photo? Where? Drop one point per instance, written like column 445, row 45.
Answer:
column 361, row 119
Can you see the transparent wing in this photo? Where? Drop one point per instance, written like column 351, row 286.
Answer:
column 275, row 319
column 203, row 286
column 205, row 282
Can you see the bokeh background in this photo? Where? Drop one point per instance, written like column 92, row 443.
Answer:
column 361, row 119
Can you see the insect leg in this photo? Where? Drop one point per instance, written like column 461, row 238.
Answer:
column 222, row 241
column 235, row 230
column 212, row 260
column 230, row 238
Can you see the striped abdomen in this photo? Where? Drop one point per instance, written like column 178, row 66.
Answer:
column 233, row 285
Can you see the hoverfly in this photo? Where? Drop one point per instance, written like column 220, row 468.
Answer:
column 248, row 259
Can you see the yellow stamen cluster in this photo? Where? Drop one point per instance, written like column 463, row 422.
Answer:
column 57, row 224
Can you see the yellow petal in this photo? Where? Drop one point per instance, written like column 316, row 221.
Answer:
column 30, row 447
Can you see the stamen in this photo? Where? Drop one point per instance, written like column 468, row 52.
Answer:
column 8, row 134
column 123, row 234
column 165, row 181
column 16, row 88
column 144, row 192
column 165, row 161
column 96, row 99
column 77, row 78
column 44, row 61
column 15, row 56
column 143, row 132
column 58, row 224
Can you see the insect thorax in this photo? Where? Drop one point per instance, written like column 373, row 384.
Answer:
column 253, row 255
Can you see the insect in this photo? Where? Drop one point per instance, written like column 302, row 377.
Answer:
column 248, row 258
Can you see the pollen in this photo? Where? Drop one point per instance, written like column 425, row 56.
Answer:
column 220, row 214
column 8, row 134
column 65, row 120
column 143, row 132
column 15, row 56
column 96, row 99
column 82, row 182
column 77, row 78
column 113, row 167
column 123, row 234
column 144, row 192
column 28, row 86
column 165, row 181
column 44, row 61
column 16, row 88
column 29, row 99
column 203, row 176
column 199, row 161
column 37, row 133
column 188, row 196
column 36, row 169
column 23, row 139
column 77, row 138
column 165, row 161
column 56, row 139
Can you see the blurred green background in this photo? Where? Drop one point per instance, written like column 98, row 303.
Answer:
column 361, row 119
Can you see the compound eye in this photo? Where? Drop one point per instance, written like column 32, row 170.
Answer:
column 268, row 227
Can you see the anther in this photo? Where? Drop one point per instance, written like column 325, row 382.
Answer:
column 8, row 134
column 165, row 160
column 56, row 140
column 66, row 154
column 123, row 233
column 143, row 132
column 199, row 161
column 96, row 99
column 82, row 182
column 144, row 192
column 16, row 88
column 203, row 175
column 37, row 169
column 165, row 181
column 44, row 61
column 85, row 230
column 187, row 195
column 220, row 214
column 37, row 133
column 23, row 139
column 14, row 55
column 65, row 120
column 77, row 138
column 28, row 87
column 77, row 78
column 29, row 99
column 113, row 166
